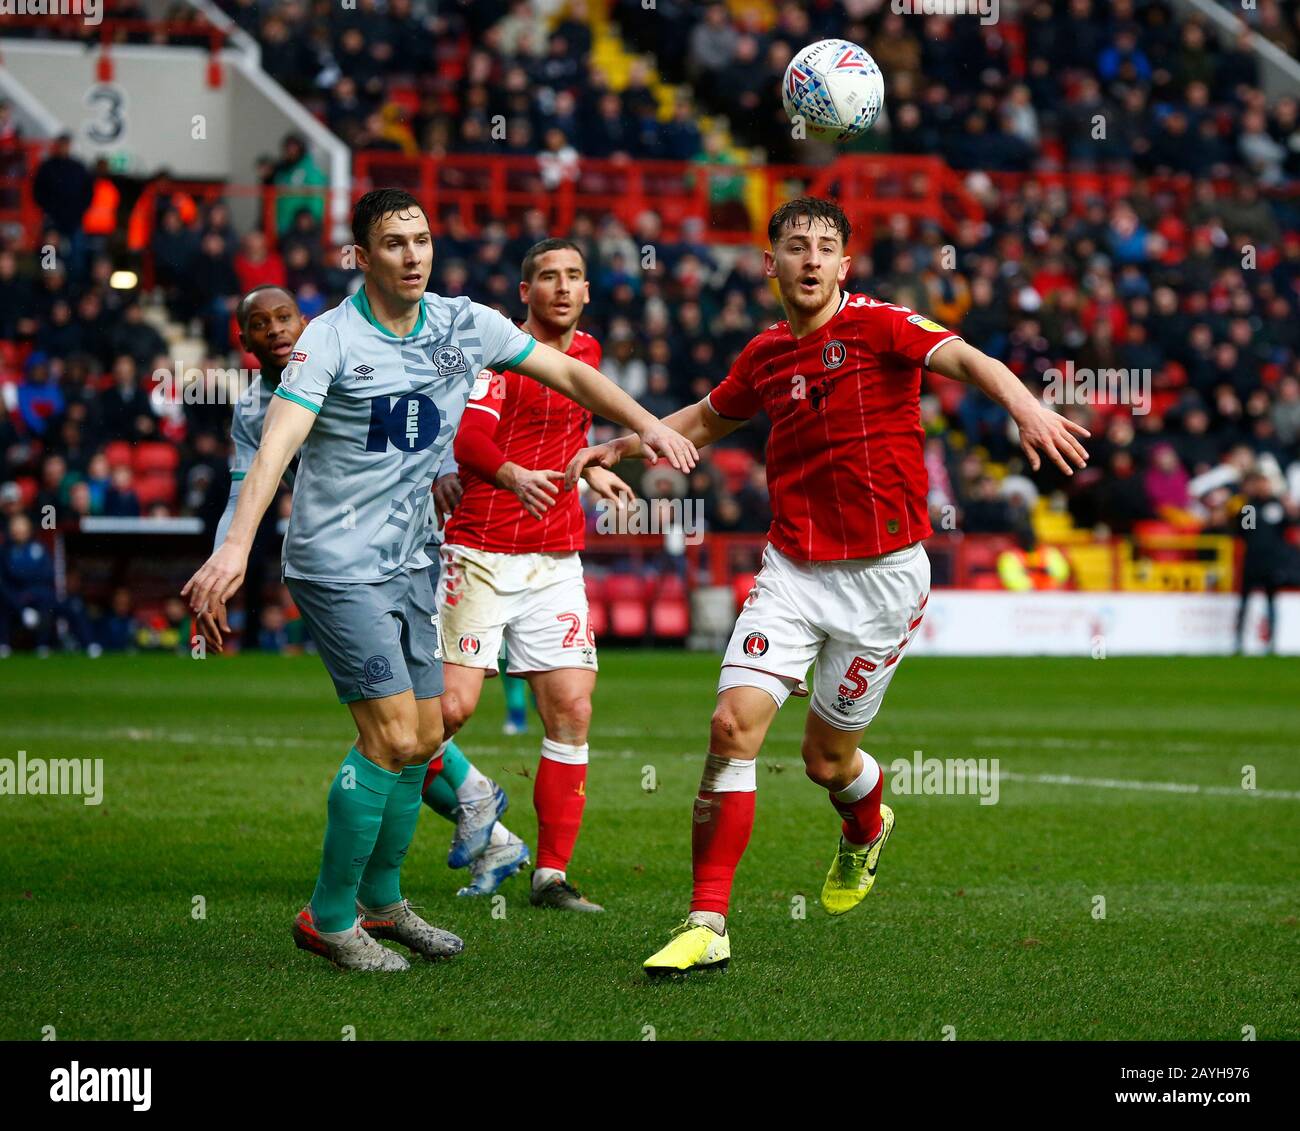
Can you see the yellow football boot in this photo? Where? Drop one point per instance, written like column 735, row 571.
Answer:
column 693, row 946
column 853, row 873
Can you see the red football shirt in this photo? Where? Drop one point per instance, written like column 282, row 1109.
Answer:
column 536, row 428
column 844, row 459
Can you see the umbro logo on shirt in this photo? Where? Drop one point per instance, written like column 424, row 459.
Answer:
column 364, row 371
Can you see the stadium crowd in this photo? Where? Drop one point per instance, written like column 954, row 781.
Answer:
column 1189, row 283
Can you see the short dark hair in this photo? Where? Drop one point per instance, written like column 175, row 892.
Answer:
column 374, row 206
column 529, row 266
column 809, row 209
column 244, row 309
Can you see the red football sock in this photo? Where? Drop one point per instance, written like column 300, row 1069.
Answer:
column 435, row 768
column 559, row 796
column 720, row 828
column 861, row 816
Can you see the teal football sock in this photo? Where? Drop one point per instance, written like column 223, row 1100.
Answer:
column 440, row 794
column 516, row 690
column 381, row 882
column 357, row 802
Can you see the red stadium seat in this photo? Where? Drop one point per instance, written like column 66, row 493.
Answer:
column 118, row 453
column 597, row 618
column 978, row 558
column 1163, row 401
column 670, row 619
column 152, row 456
column 671, row 588
column 597, row 611
column 406, row 96
column 12, row 357
column 627, row 619
column 156, row 487
column 625, row 587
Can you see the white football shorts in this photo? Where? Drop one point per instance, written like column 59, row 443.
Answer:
column 536, row 602
column 853, row 618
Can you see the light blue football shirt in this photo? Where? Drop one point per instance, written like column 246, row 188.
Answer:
column 387, row 412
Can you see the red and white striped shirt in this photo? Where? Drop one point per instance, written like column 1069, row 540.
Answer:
column 845, row 469
column 512, row 417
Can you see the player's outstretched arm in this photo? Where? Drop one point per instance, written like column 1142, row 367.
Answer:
column 593, row 390
column 212, row 621
column 1041, row 429
column 698, row 423
column 286, row 427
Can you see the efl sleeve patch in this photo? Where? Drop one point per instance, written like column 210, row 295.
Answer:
column 925, row 324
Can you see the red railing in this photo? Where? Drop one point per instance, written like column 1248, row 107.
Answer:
column 483, row 188
column 1081, row 186
column 111, row 31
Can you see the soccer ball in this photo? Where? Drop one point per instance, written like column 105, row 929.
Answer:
column 835, row 87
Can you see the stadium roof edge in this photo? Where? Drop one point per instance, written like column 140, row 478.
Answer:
column 1280, row 74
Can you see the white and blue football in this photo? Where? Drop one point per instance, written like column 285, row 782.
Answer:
column 835, row 88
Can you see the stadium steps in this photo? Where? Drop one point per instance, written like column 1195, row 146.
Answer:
column 181, row 343
column 612, row 56
column 1091, row 564
column 762, row 12
column 1055, row 526
column 614, row 59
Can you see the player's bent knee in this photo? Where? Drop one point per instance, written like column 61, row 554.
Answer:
column 820, row 772
column 430, row 739
column 825, row 767
column 730, row 735
column 571, row 719
column 398, row 742
column 454, row 715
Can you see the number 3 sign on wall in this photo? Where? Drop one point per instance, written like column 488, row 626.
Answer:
column 106, row 124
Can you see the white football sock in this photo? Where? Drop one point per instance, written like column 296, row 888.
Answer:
column 475, row 786
column 858, row 788
column 337, row 937
column 715, row 921
column 863, row 784
column 729, row 775
column 572, row 755
column 500, row 836
column 543, row 876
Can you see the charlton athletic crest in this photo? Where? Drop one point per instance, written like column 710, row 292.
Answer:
column 755, row 644
column 833, row 354
column 468, row 645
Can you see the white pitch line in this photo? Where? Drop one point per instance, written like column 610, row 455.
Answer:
column 1151, row 786
column 882, row 738
column 1050, row 742
column 183, row 738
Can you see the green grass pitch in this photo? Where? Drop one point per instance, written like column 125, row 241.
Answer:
column 983, row 918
